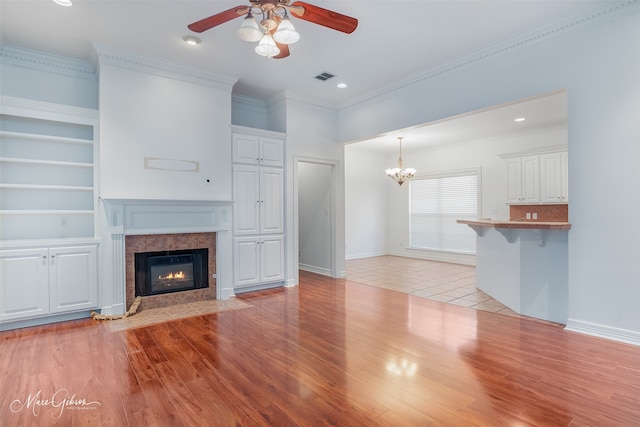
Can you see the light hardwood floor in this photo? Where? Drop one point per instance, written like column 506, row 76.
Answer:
column 327, row 352
column 439, row 281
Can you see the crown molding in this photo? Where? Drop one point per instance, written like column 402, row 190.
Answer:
column 526, row 39
column 163, row 68
column 42, row 109
column 32, row 59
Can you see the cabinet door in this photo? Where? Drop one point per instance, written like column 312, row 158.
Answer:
column 24, row 285
column 551, row 177
column 246, row 261
column 514, row 180
column 246, row 149
column 271, row 200
column 530, row 179
column 271, row 259
column 271, row 152
column 246, row 197
column 565, row 176
column 73, row 278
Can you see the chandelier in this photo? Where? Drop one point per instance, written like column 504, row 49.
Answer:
column 275, row 26
column 399, row 174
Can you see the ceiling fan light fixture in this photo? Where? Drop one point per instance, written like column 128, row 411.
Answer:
column 192, row 40
column 286, row 33
column 267, row 47
column 249, row 30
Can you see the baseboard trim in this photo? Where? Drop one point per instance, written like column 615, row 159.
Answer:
column 367, row 255
column 16, row 324
column 603, row 331
column 314, row 269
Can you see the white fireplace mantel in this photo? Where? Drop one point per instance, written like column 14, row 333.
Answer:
column 153, row 216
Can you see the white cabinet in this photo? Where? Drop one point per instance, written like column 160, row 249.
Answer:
column 73, row 278
column 259, row 200
column 540, row 178
column 258, row 260
column 24, row 283
column 257, row 150
column 258, row 210
column 554, row 178
column 523, row 179
column 42, row 281
column 48, row 205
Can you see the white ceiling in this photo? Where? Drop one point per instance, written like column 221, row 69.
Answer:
column 394, row 39
column 545, row 111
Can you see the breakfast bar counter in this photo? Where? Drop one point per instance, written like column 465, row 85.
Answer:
column 525, row 225
column 524, row 265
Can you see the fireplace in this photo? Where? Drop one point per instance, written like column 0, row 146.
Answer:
column 171, row 271
column 174, row 247
column 157, row 225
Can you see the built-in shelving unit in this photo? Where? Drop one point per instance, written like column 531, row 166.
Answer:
column 47, row 173
column 48, row 212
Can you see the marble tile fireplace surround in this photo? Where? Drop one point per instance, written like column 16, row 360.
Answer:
column 141, row 225
column 169, row 242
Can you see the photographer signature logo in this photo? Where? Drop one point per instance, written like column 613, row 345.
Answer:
column 61, row 400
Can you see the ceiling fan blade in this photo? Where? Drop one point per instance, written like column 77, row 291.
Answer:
column 218, row 18
column 325, row 17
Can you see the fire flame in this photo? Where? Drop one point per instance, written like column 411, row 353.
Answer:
column 173, row 275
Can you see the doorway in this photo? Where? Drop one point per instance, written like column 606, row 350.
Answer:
column 315, row 216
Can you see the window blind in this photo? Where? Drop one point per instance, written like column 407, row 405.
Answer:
column 434, row 206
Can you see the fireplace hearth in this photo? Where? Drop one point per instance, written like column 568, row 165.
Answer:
column 163, row 272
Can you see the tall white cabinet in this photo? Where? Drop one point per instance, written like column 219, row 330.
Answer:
column 48, row 205
column 258, row 210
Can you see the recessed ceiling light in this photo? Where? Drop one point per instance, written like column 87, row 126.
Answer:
column 65, row 3
column 520, row 119
column 191, row 40
column 342, row 85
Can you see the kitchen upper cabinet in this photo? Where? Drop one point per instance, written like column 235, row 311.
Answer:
column 540, row 178
column 257, row 150
column 42, row 281
column 523, row 179
column 554, row 177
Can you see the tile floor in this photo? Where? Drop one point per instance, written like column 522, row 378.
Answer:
column 440, row 281
column 179, row 311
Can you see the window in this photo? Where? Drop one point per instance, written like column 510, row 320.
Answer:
column 435, row 203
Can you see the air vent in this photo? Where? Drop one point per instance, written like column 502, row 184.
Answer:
column 324, row 76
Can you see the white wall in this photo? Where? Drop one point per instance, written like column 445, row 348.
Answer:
column 311, row 136
column 365, row 202
column 43, row 77
column 249, row 112
column 146, row 114
column 597, row 60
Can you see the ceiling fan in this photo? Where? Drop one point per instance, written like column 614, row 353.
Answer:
column 275, row 32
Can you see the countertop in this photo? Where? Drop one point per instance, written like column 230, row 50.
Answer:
column 532, row 225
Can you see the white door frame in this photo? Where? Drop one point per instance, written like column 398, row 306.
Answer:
column 332, row 212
